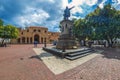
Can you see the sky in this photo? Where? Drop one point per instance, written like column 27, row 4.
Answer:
column 47, row 13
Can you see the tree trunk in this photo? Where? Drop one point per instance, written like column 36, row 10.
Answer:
column 110, row 42
column 84, row 43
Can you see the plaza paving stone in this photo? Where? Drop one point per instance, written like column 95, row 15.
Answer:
column 19, row 62
column 58, row 65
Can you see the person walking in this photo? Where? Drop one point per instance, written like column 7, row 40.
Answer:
column 35, row 43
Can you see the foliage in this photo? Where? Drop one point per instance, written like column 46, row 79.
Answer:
column 79, row 28
column 8, row 32
column 101, row 24
column 1, row 22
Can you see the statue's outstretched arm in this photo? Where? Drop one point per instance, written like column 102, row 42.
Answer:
column 71, row 7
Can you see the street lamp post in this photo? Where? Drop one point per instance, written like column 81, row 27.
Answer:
column 45, row 43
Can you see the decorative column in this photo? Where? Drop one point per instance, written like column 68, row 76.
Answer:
column 25, row 39
column 33, row 39
column 20, row 40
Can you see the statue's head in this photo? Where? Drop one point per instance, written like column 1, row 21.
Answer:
column 66, row 7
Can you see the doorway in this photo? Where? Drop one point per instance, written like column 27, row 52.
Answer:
column 36, row 38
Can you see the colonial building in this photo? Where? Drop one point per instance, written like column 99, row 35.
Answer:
column 53, row 36
column 33, row 33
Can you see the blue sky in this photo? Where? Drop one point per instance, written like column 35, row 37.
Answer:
column 47, row 13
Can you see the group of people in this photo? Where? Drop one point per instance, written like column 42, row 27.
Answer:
column 3, row 45
column 36, row 42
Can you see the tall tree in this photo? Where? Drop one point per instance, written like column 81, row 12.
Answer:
column 8, row 32
column 106, row 23
column 1, row 22
column 82, row 30
column 1, row 27
column 101, row 24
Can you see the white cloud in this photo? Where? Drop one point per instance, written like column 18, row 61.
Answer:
column 90, row 2
column 46, row 13
column 102, row 3
column 32, row 18
column 77, row 9
column 81, row 2
column 72, row 17
column 52, row 1
column 118, row 1
column 116, row 4
column 64, row 3
column 77, row 4
column 54, row 25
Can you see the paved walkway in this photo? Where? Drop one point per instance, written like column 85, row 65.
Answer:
column 19, row 62
column 103, row 67
column 58, row 65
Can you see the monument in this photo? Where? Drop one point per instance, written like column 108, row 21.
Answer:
column 67, row 46
column 67, row 39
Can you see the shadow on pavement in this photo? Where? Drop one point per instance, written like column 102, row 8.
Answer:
column 35, row 57
column 42, row 55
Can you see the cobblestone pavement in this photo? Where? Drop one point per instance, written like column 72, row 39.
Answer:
column 19, row 62
column 103, row 67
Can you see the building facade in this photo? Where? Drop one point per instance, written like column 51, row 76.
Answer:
column 33, row 33
column 53, row 36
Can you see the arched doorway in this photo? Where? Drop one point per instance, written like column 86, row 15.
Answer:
column 18, row 40
column 23, row 39
column 36, row 38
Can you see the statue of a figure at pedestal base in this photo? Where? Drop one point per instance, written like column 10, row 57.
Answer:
column 67, row 38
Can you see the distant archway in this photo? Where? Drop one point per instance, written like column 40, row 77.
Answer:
column 18, row 40
column 23, row 39
column 36, row 38
column 27, row 40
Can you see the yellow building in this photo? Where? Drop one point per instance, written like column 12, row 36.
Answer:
column 53, row 36
column 33, row 33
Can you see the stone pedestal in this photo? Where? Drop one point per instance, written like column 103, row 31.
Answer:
column 67, row 39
